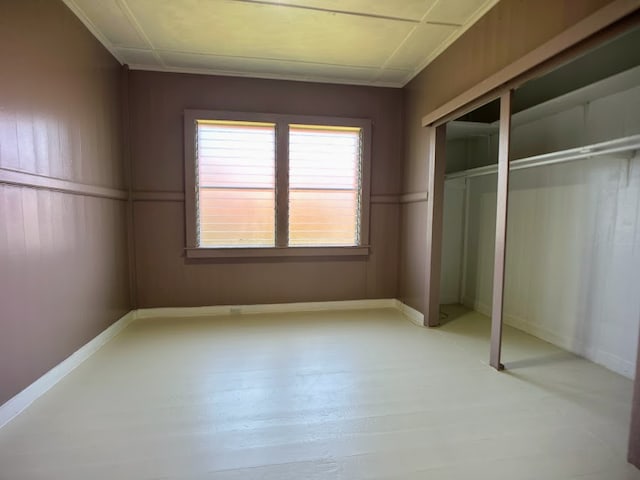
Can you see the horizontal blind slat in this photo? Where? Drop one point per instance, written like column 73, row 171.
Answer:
column 324, row 182
column 236, row 181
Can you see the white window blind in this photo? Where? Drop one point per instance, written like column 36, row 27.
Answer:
column 324, row 185
column 235, row 183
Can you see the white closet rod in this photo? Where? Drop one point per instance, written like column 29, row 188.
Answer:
column 623, row 144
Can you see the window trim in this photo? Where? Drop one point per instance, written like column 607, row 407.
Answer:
column 281, row 248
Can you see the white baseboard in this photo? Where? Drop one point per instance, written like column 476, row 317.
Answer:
column 266, row 308
column 411, row 313
column 414, row 315
column 608, row 360
column 26, row 397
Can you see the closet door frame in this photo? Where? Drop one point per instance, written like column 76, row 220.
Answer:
column 604, row 25
column 613, row 20
column 435, row 207
column 502, row 208
column 435, row 202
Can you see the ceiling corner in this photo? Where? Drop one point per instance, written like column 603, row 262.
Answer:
column 71, row 5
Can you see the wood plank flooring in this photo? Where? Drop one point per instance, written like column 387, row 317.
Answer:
column 340, row 395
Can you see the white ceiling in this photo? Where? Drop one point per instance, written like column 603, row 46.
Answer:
column 365, row 42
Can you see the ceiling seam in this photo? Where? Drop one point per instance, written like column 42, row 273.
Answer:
column 327, row 10
column 272, row 3
column 406, row 38
column 479, row 13
column 383, row 67
column 435, row 53
column 429, row 10
column 374, row 77
column 136, row 25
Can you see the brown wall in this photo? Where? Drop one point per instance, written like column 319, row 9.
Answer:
column 166, row 278
column 507, row 32
column 63, row 261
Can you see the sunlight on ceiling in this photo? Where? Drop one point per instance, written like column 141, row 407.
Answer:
column 364, row 42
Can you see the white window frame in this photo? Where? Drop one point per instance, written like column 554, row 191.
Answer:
column 281, row 216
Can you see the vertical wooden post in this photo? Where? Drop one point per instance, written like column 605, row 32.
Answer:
column 435, row 188
column 501, row 231
column 282, row 184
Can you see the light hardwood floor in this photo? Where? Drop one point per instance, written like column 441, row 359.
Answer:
column 340, row 395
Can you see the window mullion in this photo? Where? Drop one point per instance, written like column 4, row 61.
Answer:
column 282, row 184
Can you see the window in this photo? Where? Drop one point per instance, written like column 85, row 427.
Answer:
column 324, row 185
column 235, row 183
column 264, row 185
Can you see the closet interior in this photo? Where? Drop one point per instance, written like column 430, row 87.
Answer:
column 572, row 270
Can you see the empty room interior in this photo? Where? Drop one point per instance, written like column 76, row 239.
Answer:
column 319, row 239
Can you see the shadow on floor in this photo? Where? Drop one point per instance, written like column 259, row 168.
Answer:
column 451, row 312
column 472, row 330
column 547, row 359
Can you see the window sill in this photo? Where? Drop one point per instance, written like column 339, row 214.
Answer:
column 268, row 252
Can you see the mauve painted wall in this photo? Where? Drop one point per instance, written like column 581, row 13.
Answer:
column 166, row 278
column 63, row 258
column 507, row 32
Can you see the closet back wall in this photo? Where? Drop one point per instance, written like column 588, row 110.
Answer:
column 573, row 244
column 165, row 278
column 63, row 255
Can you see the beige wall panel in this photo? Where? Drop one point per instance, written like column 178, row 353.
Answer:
column 165, row 278
column 60, row 96
column 63, row 278
column 416, row 142
column 63, row 259
column 158, row 100
column 382, row 268
column 411, row 270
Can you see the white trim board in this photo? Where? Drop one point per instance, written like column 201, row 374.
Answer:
column 32, row 180
column 265, row 308
column 17, row 404
column 411, row 313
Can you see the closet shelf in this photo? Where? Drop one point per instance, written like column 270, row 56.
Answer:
column 624, row 144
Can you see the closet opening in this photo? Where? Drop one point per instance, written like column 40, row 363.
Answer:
column 471, row 143
column 572, row 265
